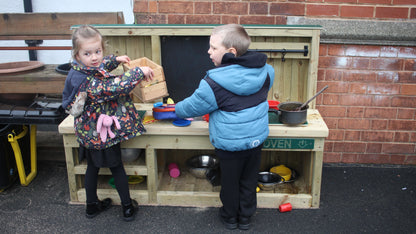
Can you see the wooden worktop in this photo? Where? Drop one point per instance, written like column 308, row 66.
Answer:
column 316, row 127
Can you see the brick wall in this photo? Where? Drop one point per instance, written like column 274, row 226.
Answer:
column 370, row 106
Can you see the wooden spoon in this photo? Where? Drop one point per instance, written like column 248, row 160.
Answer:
column 306, row 103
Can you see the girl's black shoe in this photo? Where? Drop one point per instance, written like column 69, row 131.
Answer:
column 129, row 211
column 93, row 209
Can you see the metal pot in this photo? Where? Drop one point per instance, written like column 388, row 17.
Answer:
column 289, row 115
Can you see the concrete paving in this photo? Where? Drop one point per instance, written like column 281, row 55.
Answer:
column 354, row 199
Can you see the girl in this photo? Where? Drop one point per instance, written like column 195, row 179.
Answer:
column 90, row 92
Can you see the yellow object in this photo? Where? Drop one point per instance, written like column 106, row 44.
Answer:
column 257, row 189
column 25, row 180
column 149, row 119
column 170, row 101
column 134, row 179
column 283, row 171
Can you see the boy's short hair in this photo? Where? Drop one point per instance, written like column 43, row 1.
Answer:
column 84, row 32
column 234, row 35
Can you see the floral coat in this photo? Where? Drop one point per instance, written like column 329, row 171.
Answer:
column 106, row 94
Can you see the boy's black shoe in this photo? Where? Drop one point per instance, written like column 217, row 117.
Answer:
column 129, row 211
column 93, row 209
column 230, row 223
column 244, row 223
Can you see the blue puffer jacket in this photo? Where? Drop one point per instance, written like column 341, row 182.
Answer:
column 235, row 96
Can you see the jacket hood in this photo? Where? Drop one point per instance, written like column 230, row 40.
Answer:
column 242, row 75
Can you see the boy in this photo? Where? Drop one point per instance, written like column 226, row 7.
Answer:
column 235, row 95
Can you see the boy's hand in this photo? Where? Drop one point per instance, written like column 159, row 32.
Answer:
column 148, row 73
column 123, row 59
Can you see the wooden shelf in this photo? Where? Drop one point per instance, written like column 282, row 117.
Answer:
column 137, row 167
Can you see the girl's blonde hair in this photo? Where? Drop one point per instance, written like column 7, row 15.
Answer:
column 82, row 33
column 234, row 35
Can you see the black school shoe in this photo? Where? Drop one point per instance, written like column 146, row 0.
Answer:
column 130, row 210
column 93, row 209
column 229, row 223
column 244, row 223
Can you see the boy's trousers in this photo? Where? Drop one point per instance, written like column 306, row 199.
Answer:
column 239, row 172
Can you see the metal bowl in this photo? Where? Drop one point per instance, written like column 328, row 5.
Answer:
column 200, row 165
column 130, row 154
column 268, row 180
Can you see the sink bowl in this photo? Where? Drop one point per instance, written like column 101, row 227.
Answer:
column 12, row 67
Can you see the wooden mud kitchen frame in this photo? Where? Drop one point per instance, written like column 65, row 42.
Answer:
column 291, row 50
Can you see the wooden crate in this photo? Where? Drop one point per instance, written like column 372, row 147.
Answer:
column 149, row 90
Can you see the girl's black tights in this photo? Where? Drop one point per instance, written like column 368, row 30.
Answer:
column 120, row 180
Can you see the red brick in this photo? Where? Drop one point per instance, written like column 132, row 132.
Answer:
column 349, row 158
column 141, row 6
column 398, row 148
column 355, row 112
column 404, row 113
column 387, row 76
column 352, row 135
column 280, row 20
column 330, row 99
column 333, row 111
column 407, row 77
column 413, row 13
column 359, row 88
column 333, row 75
column 407, row 52
column 356, row 100
column 176, row 7
column 340, row 1
column 404, row 2
column 323, row 50
column 388, row 89
column 384, row 2
column 336, row 50
column 392, row 12
column 332, row 157
column 410, row 160
column 374, row 147
column 259, row 8
column 389, row 51
column 203, row 19
column 362, row 51
column 374, row 158
column 153, row 7
column 335, row 87
column 328, row 146
column 203, row 7
column 151, row 19
column 386, row 64
column 321, row 75
column 233, row 8
column 379, row 124
column 354, row 124
column 336, row 135
column 397, row 159
column 408, row 89
column 357, row 147
column 357, row 11
column 359, row 63
column 257, row 20
column 176, row 19
column 332, row 123
column 404, row 102
column 402, row 137
column 413, row 137
column 321, row 10
column 380, row 113
column 229, row 19
column 381, row 101
column 377, row 136
column 287, row 9
column 410, row 65
column 334, row 62
column 402, row 125
column 339, row 146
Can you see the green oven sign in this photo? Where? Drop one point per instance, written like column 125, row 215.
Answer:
column 289, row 143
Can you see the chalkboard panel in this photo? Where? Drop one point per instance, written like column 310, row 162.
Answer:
column 185, row 60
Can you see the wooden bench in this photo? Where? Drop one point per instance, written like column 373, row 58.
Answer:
column 34, row 28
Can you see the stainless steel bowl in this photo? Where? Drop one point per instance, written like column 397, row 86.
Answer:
column 130, row 154
column 268, row 180
column 200, row 165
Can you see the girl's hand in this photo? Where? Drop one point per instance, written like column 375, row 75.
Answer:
column 123, row 59
column 148, row 73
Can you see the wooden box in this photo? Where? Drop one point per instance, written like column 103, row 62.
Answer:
column 149, row 90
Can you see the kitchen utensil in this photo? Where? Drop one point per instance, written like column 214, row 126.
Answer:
column 289, row 115
column 306, row 103
column 200, row 165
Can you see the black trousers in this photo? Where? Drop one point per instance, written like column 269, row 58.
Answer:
column 239, row 171
column 118, row 172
